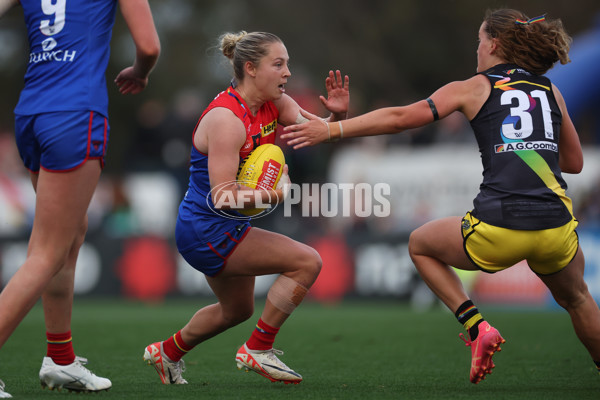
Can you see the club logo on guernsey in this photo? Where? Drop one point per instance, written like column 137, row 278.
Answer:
column 517, row 146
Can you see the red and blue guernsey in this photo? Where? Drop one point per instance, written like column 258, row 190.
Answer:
column 69, row 44
column 198, row 222
column 260, row 129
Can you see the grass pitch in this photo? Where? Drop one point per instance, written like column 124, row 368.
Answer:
column 353, row 350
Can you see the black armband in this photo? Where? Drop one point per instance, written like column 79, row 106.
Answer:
column 433, row 109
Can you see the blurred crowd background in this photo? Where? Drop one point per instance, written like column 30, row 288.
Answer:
column 395, row 52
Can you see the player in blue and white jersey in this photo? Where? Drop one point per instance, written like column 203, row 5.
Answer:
column 62, row 131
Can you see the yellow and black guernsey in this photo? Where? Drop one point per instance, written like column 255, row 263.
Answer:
column 518, row 130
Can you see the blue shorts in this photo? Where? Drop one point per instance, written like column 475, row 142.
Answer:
column 61, row 141
column 209, row 257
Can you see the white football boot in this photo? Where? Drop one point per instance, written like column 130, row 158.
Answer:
column 266, row 363
column 168, row 371
column 3, row 394
column 74, row 377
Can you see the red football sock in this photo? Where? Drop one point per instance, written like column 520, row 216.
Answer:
column 175, row 348
column 60, row 348
column 262, row 337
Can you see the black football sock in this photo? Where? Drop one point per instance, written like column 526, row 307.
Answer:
column 468, row 315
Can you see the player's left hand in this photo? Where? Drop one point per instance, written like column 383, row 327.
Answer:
column 129, row 82
column 284, row 183
column 338, row 94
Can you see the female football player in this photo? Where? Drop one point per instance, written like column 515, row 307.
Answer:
column 522, row 212
column 220, row 244
column 61, row 129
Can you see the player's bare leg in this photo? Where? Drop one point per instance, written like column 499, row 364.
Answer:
column 433, row 248
column 57, row 299
column 298, row 266
column 62, row 200
column 570, row 292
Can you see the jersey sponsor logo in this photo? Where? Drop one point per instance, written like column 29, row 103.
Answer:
column 268, row 129
column 49, row 44
column 516, row 146
column 56, row 55
column 517, row 71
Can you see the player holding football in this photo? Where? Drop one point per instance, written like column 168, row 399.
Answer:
column 522, row 212
column 61, row 129
column 227, row 250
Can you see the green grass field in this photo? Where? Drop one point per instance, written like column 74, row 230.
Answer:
column 355, row 350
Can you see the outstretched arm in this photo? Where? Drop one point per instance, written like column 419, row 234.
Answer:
column 139, row 20
column 465, row 96
column 378, row 122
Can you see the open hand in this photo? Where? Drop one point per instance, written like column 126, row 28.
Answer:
column 338, row 94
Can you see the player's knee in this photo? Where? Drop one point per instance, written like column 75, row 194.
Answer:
column 314, row 263
column 575, row 301
column 79, row 237
column 572, row 299
column 415, row 241
column 309, row 265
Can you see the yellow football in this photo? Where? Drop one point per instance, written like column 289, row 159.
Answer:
column 261, row 169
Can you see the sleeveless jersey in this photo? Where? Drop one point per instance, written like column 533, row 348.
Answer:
column 69, row 44
column 517, row 130
column 260, row 129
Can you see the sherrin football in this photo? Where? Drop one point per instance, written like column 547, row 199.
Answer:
column 261, row 169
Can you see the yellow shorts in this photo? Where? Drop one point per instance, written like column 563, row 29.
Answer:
column 493, row 249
